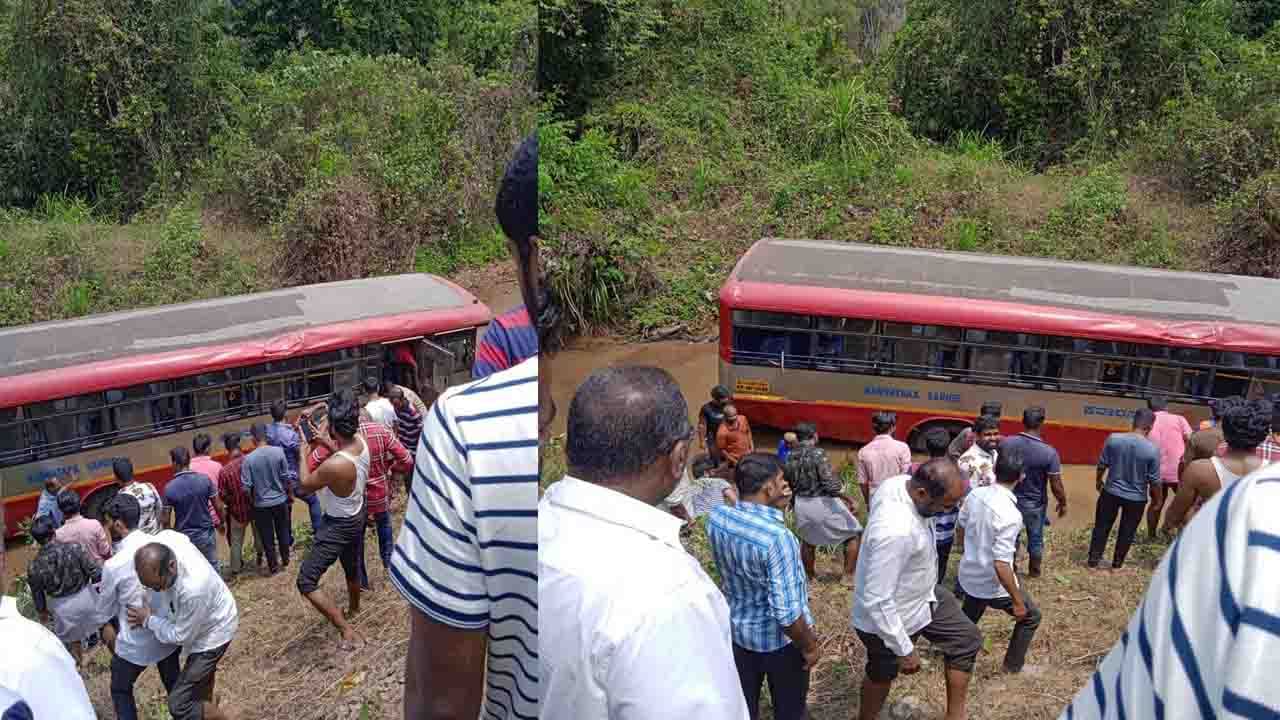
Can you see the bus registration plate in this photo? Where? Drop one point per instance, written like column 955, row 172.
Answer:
column 751, row 387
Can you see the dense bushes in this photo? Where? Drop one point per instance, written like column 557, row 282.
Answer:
column 110, row 101
column 1248, row 237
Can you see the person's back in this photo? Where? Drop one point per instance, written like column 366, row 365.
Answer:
column 88, row 534
column 121, row 590
column 188, row 494
column 35, row 666
column 1169, row 434
column 1040, row 460
column 1216, row 589
column 884, row 457
column 264, row 470
column 630, row 624
column 1133, row 462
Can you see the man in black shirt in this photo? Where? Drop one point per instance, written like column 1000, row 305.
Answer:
column 710, row 417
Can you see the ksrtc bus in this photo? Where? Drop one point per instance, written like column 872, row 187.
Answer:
column 76, row 394
column 831, row 332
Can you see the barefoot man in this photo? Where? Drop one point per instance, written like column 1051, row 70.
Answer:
column 339, row 483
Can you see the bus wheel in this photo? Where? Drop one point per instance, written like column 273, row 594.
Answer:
column 92, row 508
column 915, row 439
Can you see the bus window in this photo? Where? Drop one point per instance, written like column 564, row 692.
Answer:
column 63, row 426
column 295, row 388
column 1227, row 383
column 270, row 390
column 769, row 345
column 12, row 437
column 347, row 376
column 210, row 405
column 1080, row 370
column 1157, row 378
column 1265, row 385
column 998, row 337
column 1195, row 381
column 845, row 325
column 846, row 352
column 1114, row 376
column 990, row 363
column 1262, row 362
column 771, row 319
column 129, row 410
column 319, row 383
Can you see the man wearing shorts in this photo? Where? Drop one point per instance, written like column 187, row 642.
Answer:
column 824, row 512
column 897, row 597
column 204, row 619
column 339, row 482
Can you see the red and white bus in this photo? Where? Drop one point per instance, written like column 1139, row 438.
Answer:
column 831, row 332
column 76, row 394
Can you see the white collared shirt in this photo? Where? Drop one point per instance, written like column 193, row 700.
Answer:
column 978, row 466
column 121, row 589
column 36, row 667
column 631, row 626
column 991, row 522
column 897, row 569
column 204, row 614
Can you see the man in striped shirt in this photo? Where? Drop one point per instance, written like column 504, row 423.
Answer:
column 1205, row 641
column 509, row 340
column 764, row 582
column 467, row 555
column 408, row 419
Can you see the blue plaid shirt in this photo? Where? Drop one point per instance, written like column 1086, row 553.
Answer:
column 762, row 576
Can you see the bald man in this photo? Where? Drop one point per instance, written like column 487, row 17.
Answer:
column 203, row 622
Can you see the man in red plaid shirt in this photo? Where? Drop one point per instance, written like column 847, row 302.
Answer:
column 239, row 506
column 386, row 456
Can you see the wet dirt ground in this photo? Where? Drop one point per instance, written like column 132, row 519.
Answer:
column 694, row 367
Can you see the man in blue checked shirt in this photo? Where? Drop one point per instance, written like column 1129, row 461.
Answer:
column 764, row 582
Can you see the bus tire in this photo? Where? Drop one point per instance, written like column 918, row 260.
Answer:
column 92, row 507
column 915, row 438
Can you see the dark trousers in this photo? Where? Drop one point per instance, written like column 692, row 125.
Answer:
column 386, row 544
column 124, row 675
column 788, row 680
column 273, row 528
column 1023, row 630
column 1104, row 518
column 944, row 556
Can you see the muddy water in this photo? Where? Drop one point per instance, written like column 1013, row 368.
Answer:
column 694, row 366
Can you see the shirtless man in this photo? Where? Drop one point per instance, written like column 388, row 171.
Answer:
column 339, row 484
column 1244, row 426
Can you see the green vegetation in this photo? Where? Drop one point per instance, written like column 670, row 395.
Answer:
column 1143, row 132
column 172, row 150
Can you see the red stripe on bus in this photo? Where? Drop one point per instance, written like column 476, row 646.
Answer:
column 126, row 372
column 988, row 315
column 852, row 423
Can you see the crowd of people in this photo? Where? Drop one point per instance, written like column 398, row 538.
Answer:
column 148, row 580
column 621, row 639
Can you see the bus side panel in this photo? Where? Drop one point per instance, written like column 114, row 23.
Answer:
column 841, row 404
column 91, row 469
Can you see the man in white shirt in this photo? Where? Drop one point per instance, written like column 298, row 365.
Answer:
column 135, row 648
column 1205, row 641
column 379, row 408
column 36, row 667
column 896, row 597
column 989, row 525
column 204, row 621
column 631, row 627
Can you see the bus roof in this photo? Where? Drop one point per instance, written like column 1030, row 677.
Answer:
column 120, row 349
column 1089, row 299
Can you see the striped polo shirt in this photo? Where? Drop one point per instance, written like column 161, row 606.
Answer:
column 509, row 340
column 1205, row 642
column 763, row 578
column 467, row 554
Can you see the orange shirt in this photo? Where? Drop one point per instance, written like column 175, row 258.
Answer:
column 735, row 441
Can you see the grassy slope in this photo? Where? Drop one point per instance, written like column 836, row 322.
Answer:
column 1084, row 612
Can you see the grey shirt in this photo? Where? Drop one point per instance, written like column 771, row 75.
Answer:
column 264, row 475
column 1133, row 464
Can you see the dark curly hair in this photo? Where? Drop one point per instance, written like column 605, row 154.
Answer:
column 1245, row 425
column 344, row 413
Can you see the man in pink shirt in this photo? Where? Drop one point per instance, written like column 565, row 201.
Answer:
column 883, row 457
column 79, row 530
column 208, row 467
column 1169, row 434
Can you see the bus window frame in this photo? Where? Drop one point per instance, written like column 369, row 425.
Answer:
column 1127, row 357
